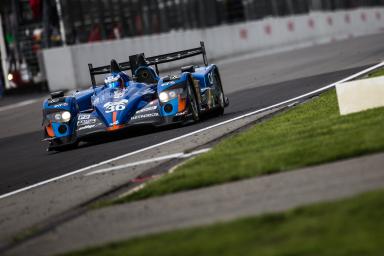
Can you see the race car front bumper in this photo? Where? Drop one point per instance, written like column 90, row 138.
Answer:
column 88, row 129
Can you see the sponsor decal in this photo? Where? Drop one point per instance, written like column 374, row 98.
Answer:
column 118, row 94
column 61, row 105
column 87, row 127
column 86, row 122
column 182, row 113
column 84, row 116
column 115, row 106
column 90, row 126
column 210, row 77
column 136, row 117
column 169, row 83
column 148, row 109
column 149, row 91
column 115, row 123
column 111, row 79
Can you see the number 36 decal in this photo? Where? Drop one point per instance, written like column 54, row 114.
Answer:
column 115, row 106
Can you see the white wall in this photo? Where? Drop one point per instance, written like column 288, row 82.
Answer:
column 59, row 69
column 67, row 68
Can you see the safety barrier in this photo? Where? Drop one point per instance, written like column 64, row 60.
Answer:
column 66, row 67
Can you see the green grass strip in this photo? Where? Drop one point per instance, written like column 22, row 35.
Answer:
column 376, row 73
column 349, row 227
column 309, row 134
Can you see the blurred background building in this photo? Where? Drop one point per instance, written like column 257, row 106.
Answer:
column 31, row 25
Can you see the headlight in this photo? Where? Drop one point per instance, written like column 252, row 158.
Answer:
column 163, row 97
column 62, row 117
column 66, row 116
column 57, row 117
column 166, row 96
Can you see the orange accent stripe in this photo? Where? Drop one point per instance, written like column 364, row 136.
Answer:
column 114, row 118
column 115, row 127
column 182, row 104
column 50, row 131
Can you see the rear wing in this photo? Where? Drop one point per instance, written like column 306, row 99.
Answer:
column 155, row 60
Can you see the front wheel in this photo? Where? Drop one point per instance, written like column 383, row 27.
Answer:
column 220, row 95
column 194, row 108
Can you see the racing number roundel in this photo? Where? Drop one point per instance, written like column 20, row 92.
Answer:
column 115, row 106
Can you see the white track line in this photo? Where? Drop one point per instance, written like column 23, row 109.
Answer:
column 148, row 161
column 18, row 105
column 193, row 133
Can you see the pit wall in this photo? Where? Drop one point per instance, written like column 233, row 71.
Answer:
column 67, row 67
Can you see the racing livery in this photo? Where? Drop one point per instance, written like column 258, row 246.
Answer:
column 144, row 98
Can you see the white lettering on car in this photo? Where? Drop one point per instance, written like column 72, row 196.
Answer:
column 87, row 127
column 144, row 116
column 149, row 91
column 146, row 109
column 111, row 79
column 115, row 123
column 90, row 126
column 61, row 105
column 210, row 78
column 182, row 113
column 84, row 117
column 118, row 94
column 86, row 122
column 169, row 83
column 115, row 106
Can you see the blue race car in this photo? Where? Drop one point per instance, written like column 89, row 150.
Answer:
column 145, row 98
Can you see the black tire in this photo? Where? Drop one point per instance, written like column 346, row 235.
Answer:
column 194, row 107
column 221, row 96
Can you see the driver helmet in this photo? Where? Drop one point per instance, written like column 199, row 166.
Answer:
column 114, row 81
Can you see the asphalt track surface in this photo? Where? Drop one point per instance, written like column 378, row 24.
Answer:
column 251, row 83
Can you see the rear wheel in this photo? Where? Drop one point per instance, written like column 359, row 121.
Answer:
column 194, row 108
